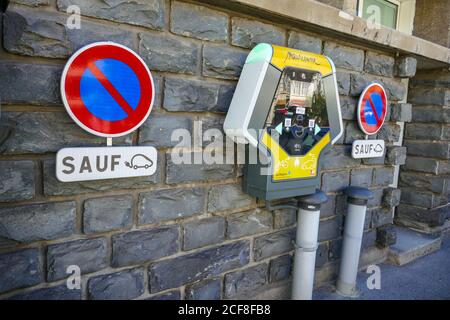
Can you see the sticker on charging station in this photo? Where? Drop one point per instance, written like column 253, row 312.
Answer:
column 372, row 109
column 107, row 89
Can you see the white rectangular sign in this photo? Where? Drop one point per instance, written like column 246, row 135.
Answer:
column 83, row 164
column 367, row 149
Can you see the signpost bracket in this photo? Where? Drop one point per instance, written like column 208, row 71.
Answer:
column 109, row 142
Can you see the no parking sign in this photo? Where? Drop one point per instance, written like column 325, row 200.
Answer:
column 108, row 91
column 371, row 114
column 372, row 109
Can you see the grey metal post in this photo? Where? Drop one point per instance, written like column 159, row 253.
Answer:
column 351, row 245
column 306, row 245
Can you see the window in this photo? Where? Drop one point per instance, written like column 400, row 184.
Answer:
column 395, row 14
column 387, row 11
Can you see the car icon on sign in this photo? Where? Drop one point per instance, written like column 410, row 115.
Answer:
column 139, row 161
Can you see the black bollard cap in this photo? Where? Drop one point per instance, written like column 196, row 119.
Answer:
column 358, row 195
column 313, row 201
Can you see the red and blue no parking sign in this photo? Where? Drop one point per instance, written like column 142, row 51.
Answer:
column 372, row 109
column 107, row 89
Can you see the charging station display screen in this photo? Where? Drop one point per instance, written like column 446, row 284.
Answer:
column 298, row 115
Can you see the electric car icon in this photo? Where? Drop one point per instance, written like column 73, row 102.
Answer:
column 139, row 161
column 378, row 148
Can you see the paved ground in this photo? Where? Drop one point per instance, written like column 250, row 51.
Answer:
column 427, row 278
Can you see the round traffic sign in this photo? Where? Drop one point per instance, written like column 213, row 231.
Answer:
column 372, row 109
column 107, row 89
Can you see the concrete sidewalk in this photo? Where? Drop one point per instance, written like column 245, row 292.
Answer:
column 426, row 278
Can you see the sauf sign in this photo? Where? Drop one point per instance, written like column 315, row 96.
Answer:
column 368, row 149
column 107, row 90
column 371, row 113
column 82, row 164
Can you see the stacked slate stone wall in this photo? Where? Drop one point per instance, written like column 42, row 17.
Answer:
column 188, row 232
column 425, row 178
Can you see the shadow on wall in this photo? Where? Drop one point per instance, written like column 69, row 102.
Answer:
column 3, row 5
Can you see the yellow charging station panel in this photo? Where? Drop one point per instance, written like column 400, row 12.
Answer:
column 285, row 107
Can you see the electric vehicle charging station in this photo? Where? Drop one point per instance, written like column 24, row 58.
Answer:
column 286, row 110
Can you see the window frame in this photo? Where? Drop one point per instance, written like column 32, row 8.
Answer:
column 395, row 2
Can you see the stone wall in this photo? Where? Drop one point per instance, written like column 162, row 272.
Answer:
column 431, row 21
column 425, row 178
column 189, row 231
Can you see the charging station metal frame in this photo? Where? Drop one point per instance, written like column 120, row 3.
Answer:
column 250, row 106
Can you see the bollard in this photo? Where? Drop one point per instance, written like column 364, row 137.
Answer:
column 306, row 245
column 351, row 245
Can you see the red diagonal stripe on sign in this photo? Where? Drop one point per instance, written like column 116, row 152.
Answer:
column 374, row 110
column 110, row 88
